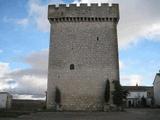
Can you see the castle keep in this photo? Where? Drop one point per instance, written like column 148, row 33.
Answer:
column 83, row 54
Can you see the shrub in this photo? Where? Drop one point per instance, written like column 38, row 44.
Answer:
column 118, row 94
column 57, row 96
column 107, row 91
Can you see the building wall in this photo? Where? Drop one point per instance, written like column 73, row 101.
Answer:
column 157, row 90
column 134, row 98
column 27, row 105
column 92, row 47
column 137, row 94
column 9, row 101
column 5, row 101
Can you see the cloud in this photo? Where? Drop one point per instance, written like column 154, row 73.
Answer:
column 22, row 22
column 1, row 51
column 29, row 82
column 132, row 80
column 4, row 69
column 91, row 1
column 38, row 60
column 139, row 19
column 38, row 13
column 121, row 65
column 129, row 79
column 32, row 82
column 30, row 85
column 153, row 31
column 136, row 23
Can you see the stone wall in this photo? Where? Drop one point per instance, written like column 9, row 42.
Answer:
column 91, row 46
column 27, row 105
column 156, row 86
column 92, row 11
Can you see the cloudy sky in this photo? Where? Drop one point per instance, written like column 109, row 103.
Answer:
column 24, row 41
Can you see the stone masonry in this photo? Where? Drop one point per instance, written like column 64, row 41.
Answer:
column 83, row 54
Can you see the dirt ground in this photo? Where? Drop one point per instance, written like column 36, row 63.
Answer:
column 129, row 114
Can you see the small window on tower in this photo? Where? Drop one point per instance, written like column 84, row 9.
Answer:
column 72, row 67
column 97, row 38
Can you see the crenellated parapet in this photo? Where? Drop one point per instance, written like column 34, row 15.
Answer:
column 83, row 13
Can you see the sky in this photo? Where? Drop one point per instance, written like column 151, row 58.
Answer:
column 24, row 43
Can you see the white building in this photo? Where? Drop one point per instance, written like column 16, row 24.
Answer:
column 156, row 85
column 5, row 100
column 136, row 95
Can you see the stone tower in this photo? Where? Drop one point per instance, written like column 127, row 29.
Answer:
column 83, row 54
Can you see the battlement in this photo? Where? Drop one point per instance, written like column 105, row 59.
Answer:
column 74, row 13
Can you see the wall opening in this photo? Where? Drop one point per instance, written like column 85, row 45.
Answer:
column 72, row 67
column 97, row 38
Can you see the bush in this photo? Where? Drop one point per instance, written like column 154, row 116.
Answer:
column 118, row 94
column 57, row 96
column 107, row 91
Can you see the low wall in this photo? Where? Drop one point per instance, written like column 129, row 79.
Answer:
column 28, row 105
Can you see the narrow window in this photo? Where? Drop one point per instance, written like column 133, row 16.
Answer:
column 72, row 67
column 115, row 19
column 92, row 19
column 107, row 19
column 67, row 18
column 97, row 38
